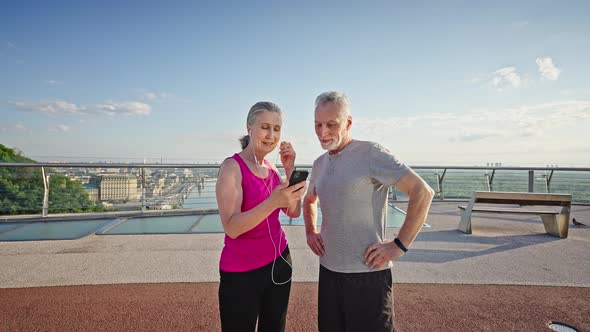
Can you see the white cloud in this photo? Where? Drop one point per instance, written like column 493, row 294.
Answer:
column 521, row 24
column 17, row 128
column 526, row 121
column 548, row 69
column 150, row 96
column 60, row 107
column 155, row 96
column 507, row 76
column 566, row 92
column 53, row 82
column 575, row 93
column 5, row 47
column 472, row 136
column 523, row 134
column 55, row 107
column 383, row 125
column 124, row 107
column 62, row 127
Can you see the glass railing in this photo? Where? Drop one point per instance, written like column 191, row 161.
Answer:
column 122, row 188
column 455, row 182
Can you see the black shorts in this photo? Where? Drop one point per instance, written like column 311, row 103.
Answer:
column 355, row 301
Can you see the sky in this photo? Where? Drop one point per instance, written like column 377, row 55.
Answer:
column 436, row 82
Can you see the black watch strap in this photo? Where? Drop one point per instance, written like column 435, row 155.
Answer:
column 400, row 244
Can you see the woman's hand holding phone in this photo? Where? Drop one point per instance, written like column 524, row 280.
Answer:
column 285, row 196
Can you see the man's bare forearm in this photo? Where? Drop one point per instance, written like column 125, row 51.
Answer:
column 310, row 211
column 418, row 207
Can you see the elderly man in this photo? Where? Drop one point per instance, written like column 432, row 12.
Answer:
column 351, row 181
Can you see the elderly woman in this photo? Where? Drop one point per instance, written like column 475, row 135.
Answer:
column 255, row 266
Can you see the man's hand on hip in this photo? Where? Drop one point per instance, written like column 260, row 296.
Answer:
column 381, row 253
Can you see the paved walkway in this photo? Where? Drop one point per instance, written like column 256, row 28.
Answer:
column 508, row 275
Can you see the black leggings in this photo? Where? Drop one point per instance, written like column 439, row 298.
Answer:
column 247, row 296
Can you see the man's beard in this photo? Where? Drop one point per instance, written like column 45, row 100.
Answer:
column 332, row 146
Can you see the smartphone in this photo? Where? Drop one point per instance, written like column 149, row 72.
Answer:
column 298, row 176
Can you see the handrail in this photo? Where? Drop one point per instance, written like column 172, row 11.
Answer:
column 440, row 177
column 184, row 165
column 505, row 168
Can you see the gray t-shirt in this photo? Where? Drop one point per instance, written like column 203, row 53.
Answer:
column 352, row 188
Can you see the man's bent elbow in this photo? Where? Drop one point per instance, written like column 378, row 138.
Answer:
column 423, row 192
column 428, row 193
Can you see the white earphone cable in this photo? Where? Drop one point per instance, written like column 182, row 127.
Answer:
column 276, row 252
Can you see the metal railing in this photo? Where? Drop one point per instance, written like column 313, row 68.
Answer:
column 191, row 185
column 464, row 180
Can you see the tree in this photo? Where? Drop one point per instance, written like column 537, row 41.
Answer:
column 21, row 189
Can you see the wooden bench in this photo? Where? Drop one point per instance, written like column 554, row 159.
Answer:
column 556, row 223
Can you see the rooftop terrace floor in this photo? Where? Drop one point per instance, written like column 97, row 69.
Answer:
column 507, row 275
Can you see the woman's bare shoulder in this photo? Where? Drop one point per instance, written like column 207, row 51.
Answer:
column 230, row 167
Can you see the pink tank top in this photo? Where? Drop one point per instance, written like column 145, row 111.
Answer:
column 254, row 248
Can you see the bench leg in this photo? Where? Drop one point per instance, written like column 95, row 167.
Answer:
column 465, row 224
column 557, row 225
column 550, row 223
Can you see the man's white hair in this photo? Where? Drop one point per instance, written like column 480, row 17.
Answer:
column 337, row 98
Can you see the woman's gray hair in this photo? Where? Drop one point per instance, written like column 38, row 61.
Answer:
column 256, row 109
column 337, row 98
